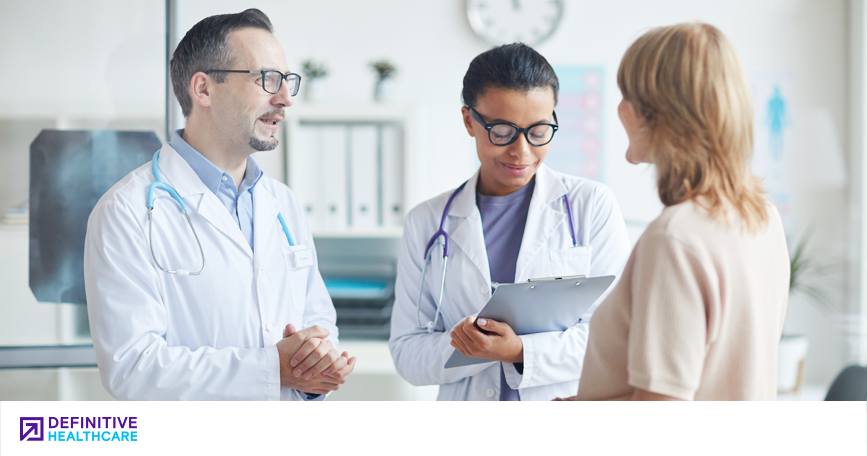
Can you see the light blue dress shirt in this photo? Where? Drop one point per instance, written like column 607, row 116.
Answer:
column 238, row 203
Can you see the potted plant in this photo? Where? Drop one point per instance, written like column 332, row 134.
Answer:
column 314, row 72
column 805, row 271
column 384, row 88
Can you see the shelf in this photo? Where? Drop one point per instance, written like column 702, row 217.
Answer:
column 384, row 232
column 365, row 289
column 15, row 227
column 351, row 112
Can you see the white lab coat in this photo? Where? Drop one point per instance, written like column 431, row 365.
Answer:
column 212, row 336
column 552, row 360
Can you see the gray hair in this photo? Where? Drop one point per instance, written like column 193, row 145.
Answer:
column 206, row 47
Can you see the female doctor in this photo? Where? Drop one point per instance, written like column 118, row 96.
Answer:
column 514, row 220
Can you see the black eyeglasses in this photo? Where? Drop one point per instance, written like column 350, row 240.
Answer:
column 271, row 79
column 505, row 133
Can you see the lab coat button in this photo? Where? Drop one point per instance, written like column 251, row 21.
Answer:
column 484, row 289
column 490, row 392
column 269, row 327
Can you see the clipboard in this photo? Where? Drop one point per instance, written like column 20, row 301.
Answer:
column 539, row 305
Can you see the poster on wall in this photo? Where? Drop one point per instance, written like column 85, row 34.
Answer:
column 773, row 145
column 577, row 146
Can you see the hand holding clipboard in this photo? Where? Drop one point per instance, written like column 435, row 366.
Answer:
column 540, row 305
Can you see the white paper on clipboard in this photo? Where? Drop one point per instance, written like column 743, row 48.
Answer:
column 538, row 306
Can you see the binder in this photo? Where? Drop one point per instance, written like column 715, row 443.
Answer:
column 331, row 177
column 303, row 182
column 364, row 177
column 392, row 175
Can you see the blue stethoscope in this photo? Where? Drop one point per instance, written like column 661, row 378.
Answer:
column 442, row 232
column 158, row 183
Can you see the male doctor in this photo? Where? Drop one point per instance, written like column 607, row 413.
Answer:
column 257, row 322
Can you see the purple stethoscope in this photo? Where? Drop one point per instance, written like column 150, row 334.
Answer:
column 442, row 232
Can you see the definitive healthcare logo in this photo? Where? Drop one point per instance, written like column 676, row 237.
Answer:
column 79, row 429
column 34, row 427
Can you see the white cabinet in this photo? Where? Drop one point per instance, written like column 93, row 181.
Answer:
column 375, row 377
column 349, row 164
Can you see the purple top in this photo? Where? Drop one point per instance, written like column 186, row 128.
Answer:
column 503, row 220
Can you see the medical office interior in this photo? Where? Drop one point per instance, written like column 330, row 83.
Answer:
column 361, row 150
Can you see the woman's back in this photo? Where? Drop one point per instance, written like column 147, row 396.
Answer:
column 697, row 314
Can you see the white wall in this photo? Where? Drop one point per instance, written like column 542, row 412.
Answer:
column 64, row 61
column 432, row 45
column 98, row 58
column 84, row 43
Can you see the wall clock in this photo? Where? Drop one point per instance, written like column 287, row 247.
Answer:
column 509, row 21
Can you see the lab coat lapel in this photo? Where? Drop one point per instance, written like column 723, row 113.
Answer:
column 265, row 223
column 200, row 200
column 467, row 233
column 542, row 219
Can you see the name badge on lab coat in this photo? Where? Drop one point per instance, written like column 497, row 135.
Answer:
column 302, row 256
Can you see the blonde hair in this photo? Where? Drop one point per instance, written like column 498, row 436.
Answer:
column 687, row 84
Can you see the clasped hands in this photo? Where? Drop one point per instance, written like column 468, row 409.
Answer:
column 309, row 363
column 495, row 340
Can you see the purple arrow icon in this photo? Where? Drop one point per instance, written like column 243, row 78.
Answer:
column 33, row 425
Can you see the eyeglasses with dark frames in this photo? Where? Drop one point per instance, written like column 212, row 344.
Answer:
column 505, row 133
column 271, row 79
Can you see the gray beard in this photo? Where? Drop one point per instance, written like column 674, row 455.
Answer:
column 261, row 146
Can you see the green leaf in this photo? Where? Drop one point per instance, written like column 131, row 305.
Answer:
column 806, row 271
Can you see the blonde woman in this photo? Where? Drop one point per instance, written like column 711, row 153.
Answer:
column 699, row 309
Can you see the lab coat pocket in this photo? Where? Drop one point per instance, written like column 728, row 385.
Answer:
column 297, row 278
column 571, row 261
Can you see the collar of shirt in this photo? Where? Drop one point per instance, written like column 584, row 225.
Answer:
column 522, row 194
column 212, row 176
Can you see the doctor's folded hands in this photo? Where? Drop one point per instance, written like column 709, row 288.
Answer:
column 201, row 275
column 313, row 366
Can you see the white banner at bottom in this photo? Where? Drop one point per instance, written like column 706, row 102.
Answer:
column 111, row 428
